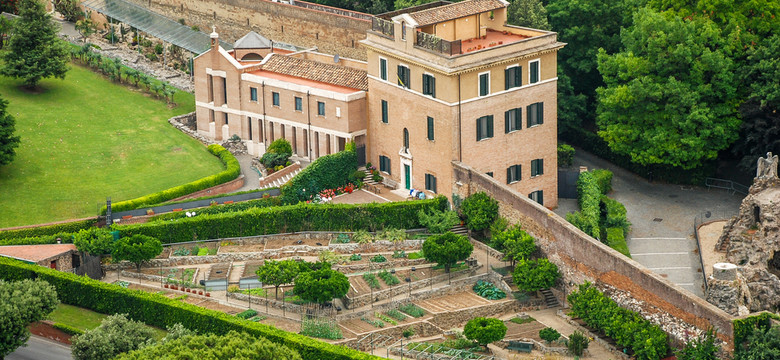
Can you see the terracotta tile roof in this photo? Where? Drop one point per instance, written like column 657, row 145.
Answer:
column 35, row 253
column 454, row 11
column 317, row 71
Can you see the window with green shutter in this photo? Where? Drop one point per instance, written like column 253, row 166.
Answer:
column 485, row 127
column 430, row 128
column 383, row 69
column 430, row 182
column 537, row 167
column 512, row 120
column 537, row 196
column 533, row 76
column 403, row 76
column 513, row 174
column 535, row 114
column 384, row 163
column 429, row 85
column 384, row 111
column 513, row 77
column 484, row 84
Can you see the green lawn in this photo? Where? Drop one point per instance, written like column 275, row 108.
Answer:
column 85, row 138
column 86, row 319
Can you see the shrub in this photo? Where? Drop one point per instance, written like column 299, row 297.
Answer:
column 391, row 234
column 272, row 160
column 232, row 170
column 70, row 330
column 484, row 330
column 362, row 237
column 534, row 275
column 565, row 155
column 626, row 327
column 438, row 222
column 388, row 278
column 702, row 347
column 355, row 257
column 327, row 172
column 386, row 319
column 480, row 210
column 408, row 333
column 577, row 343
column 378, row 258
column 588, row 196
column 412, row 310
column 160, row 311
column 203, row 251
column 357, row 175
column 246, row 314
column 603, row 179
column 7, row 236
column 415, row 255
column 614, row 214
column 616, row 239
column 488, row 291
column 371, row 281
column 521, row 321
column 282, row 219
column 549, row 334
column 395, row 314
column 280, row 146
column 376, row 322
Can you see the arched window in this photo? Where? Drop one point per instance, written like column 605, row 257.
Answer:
column 406, row 139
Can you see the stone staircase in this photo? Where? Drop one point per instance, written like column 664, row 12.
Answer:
column 460, row 230
column 549, row 299
column 236, row 273
column 281, row 177
column 369, row 183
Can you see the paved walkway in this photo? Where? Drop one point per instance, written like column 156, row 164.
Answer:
column 661, row 217
column 549, row 318
column 251, row 176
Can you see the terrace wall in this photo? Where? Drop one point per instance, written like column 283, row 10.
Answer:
column 582, row 258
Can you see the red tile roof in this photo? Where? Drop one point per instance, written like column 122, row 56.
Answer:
column 317, row 71
column 35, row 253
column 455, row 11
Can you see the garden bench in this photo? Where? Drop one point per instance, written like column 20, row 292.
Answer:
column 520, row 346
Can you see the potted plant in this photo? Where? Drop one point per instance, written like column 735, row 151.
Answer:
column 200, row 292
column 208, row 294
column 149, row 212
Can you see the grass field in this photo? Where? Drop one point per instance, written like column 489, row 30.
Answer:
column 85, row 319
column 84, row 139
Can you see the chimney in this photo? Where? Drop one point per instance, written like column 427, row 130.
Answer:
column 214, row 38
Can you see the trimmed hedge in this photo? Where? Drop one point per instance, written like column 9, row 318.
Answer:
column 69, row 227
column 565, row 155
column 327, row 172
column 70, row 330
column 160, row 311
column 588, row 196
column 39, row 240
column 616, row 239
column 232, row 170
column 626, row 327
column 603, row 179
column 614, row 214
column 744, row 327
column 218, row 209
column 291, row 218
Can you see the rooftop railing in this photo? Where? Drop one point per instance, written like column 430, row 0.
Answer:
column 382, row 26
column 437, row 44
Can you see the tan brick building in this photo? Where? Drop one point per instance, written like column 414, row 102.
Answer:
column 443, row 82
column 455, row 82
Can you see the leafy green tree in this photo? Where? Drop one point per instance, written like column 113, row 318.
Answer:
column 534, row 275
column 528, row 13
column 85, row 27
column 436, row 221
column 21, row 303
column 701, row 348
column 515, row 243
column 233, row 345
column 484, row 330
column 762, row 344
column 95, row 241
column 34, row 51
column 278, row 273
column 447, row 249
column 277, row 153
column 8, row 141
column 549, row 335
column 670, row 96
column 577, row 343
column 403, row 4
column 116, row 334
column 136, row 249
column 480, row 211
column 321, row 286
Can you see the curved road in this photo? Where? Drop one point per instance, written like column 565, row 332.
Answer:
column 39, row 348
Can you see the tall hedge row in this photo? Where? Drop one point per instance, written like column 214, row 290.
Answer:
column 588, row 196
column 69, row 227
column 327, row 172
column 291, row 218
column 160, row 311
column 232, row 170
column 627, row 328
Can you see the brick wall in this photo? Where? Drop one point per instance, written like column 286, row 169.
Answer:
column 225, row 188
column 332, row 33
column 582, row 258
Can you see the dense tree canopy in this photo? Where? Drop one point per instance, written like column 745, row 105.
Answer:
column 528, row 13
column 321, row 286
column 95, row 241
column 447, row 249
column 115, row 335
column 484, row 330
column 136, row 249
column 8, row 141
column 515, row 243
column 534, row 275
column 278, row 273
column 34, row 51
column 233, row 345
column 21, row 303
column 670, row 96
column 480, row 210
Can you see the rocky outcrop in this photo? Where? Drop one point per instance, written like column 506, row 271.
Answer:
column 752, row 242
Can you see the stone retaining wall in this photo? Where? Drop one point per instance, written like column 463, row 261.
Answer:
column 453, row 319
column 582, row 258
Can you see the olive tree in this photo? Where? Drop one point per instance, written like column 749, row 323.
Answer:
column 116, row 334
column 136, row 249
column 233, row 345
column 447, row 249
column 321, row 286
column 278, row 273
column 534, row 275
column 21, row 303
column 484, row 330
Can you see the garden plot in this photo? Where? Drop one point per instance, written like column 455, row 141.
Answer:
column 199, row 249
column 453, row 302
column 229, row 247
column 280, row 243
column 180, row 274
column 527, row 330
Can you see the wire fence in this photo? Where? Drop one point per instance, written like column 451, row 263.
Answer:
column 728, row 185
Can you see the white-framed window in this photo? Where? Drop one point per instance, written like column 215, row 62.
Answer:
column 533, row 71
column 484, row 83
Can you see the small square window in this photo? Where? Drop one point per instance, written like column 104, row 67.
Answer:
column 298, row 104
column 320, row 108
column 275, row 98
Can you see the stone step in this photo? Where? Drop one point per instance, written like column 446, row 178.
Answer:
column 549, row 299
